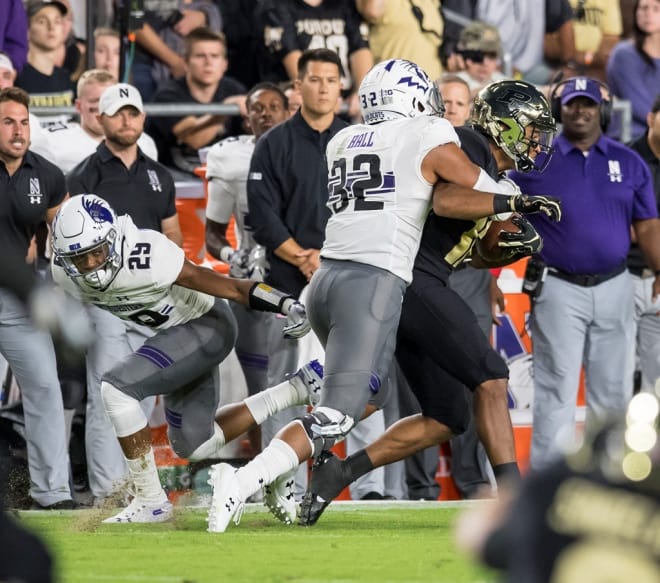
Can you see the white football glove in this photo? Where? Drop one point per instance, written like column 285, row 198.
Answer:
column 238, row 263
column 297, row 324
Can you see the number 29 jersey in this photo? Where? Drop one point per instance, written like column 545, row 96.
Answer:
column 377, row 195
column 143, row 290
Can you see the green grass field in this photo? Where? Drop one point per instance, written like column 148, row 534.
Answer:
column 352, row 542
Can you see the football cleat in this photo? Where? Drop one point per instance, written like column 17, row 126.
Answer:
column 279, row 497
column 309, row 378
column 138, row 511
column 327, row 482
column 226, row 503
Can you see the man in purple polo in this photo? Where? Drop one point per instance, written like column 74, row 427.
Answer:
column 584, row 314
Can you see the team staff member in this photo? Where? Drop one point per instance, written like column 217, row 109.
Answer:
column 33, row 190
column 287, row 191
column 584, row 314
column 138, row 186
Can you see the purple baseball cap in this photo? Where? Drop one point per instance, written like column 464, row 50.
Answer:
column 581, row 86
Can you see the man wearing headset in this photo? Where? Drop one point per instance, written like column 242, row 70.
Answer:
column 584, row 314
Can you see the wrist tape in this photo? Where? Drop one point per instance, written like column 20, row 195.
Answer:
column 264, row 298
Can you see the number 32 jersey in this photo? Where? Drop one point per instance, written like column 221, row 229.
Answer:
column 378, row 198
column 143, row 290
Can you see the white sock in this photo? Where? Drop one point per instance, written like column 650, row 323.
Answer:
column 275, row 399
column 211, row 447
column 144, row 475
column 276, row 459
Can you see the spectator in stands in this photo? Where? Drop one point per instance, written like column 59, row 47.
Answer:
column 106, row 50
column 480, row 47
column 522, row 37
column 70, row 55
column 293, row 26
column 598, row 28
column 13, row 32
column 47, row 84
column 399, row 29
column 243, row 39
column 647, row 312
column 33, row 190
column 633, row 71
column 161, row 41
column 180, row 138
column 134, row 184
column 71, row 143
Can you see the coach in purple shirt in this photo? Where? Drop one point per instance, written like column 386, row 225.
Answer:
column 584, row 313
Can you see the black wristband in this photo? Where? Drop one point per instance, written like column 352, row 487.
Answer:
column 657, row 272
column 264, row 298
column 502, row 204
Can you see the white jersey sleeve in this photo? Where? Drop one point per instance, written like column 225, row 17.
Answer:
column 148, row 146
column 143, row 290
column 227, row 167
column 378, row 196
column 70, row 145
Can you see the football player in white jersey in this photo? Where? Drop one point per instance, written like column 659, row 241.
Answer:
column 381, row 188
column 142, row 276
column 70, row 143
column 227, row 167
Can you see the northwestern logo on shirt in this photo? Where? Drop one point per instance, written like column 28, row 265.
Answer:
column 154, row 182
column 35, row 191
column 615, row 171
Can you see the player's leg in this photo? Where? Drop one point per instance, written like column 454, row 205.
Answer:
column 174, row 359
column 363, row 306
column 402, row 439
column 454, row 341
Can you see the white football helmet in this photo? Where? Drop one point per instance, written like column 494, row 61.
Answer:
column 86, row 224
column 398, row 88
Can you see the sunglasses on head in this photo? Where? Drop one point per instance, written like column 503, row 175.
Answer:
column 478, row 56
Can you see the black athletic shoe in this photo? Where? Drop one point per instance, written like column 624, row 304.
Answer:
column 61, row 505
column 327, row 482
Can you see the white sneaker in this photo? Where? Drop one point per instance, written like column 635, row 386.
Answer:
column 279, row 498
column 226, row 503
column 138, row 511
column 311, row 376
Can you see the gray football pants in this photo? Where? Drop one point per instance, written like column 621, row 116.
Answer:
column 30, row 354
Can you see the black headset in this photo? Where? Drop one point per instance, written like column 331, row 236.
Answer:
column 605, row 104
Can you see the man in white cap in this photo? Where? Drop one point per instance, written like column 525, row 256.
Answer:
column 72, row 142
column 134, row 184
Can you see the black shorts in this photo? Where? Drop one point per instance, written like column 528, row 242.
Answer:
column 441, row 350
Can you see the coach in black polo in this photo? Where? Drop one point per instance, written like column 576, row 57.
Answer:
column 121, row 173
column 31, row 191
column 136, row 185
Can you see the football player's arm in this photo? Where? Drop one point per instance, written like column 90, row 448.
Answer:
column 172, row 230
column 455, row 176
column 647, row 233
column 219, row 209
column 258, row 296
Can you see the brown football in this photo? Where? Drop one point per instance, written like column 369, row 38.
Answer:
column 488, row 247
